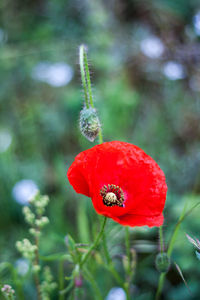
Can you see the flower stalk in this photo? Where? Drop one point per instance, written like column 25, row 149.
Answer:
column 171, row 245
column 89, row 122
column 161, row 239
column 95, row 244
column 85, row 76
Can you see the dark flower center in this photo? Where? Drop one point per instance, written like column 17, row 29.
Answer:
column 112, row 195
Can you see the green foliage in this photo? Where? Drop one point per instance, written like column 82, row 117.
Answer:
column 136, row 103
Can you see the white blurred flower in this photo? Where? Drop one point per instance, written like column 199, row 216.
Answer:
column 5, row 140
column 173, row 70
column 22, row 266
column 152, row 47
column 24, row 190
column 55, row 74
column 116, row 293
column 196, row 23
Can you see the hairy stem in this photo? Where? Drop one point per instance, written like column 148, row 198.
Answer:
column 83, row 75
column 93, row 283
column 128, row 248
column 95, row 244
column 160, row 285
column 87, row 72
column 111, row 268
column 172, row 243
column 161, row 239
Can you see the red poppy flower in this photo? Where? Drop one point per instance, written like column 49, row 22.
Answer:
column 125, row 184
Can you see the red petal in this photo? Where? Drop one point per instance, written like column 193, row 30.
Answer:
column 125, row 165
column 76, row 176
column 140, row 220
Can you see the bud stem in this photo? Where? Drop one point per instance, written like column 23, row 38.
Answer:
column 100, row 136
column 161, row 239
column 96, row 242
column 85, row 76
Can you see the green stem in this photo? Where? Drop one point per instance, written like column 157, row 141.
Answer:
column 160, row 285
column 111, row 268
column 128, row 249
column 106, row 252
column 169, row 252
column 176, row 229
column 128, row 254
column 87, row 72
column 93, row 283
column 171, row 245
column 83, row 75
column 61, row 279
column 110, row 265
column 95, row 244
column 161, row 239
column 68, row 288
column 100, row 136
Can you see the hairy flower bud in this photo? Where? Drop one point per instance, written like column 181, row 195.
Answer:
column 162, row 262
column 89, row 123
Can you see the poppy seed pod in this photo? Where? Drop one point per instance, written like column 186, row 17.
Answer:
column 162, row 262
column 124, row 183
column 89, row 123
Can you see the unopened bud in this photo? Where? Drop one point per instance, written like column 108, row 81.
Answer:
column 162, row 262
column 89, row 123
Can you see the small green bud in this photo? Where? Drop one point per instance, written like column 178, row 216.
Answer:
column 35, row 232
column 162, row 262
column 89, row 123
column 26, row 248
column 48, row 285
column 29, row 216
column 42, row 221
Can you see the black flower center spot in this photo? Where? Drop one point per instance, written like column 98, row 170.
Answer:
column 112, row 195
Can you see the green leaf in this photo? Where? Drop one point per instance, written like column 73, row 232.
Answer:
column 182, row 277
column 57, row 257
column 71, row 243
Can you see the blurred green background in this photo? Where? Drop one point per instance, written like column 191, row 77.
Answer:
column 145, row 59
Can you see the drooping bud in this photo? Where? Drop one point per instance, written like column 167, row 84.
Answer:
column 89, row 123
column 162, row 262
